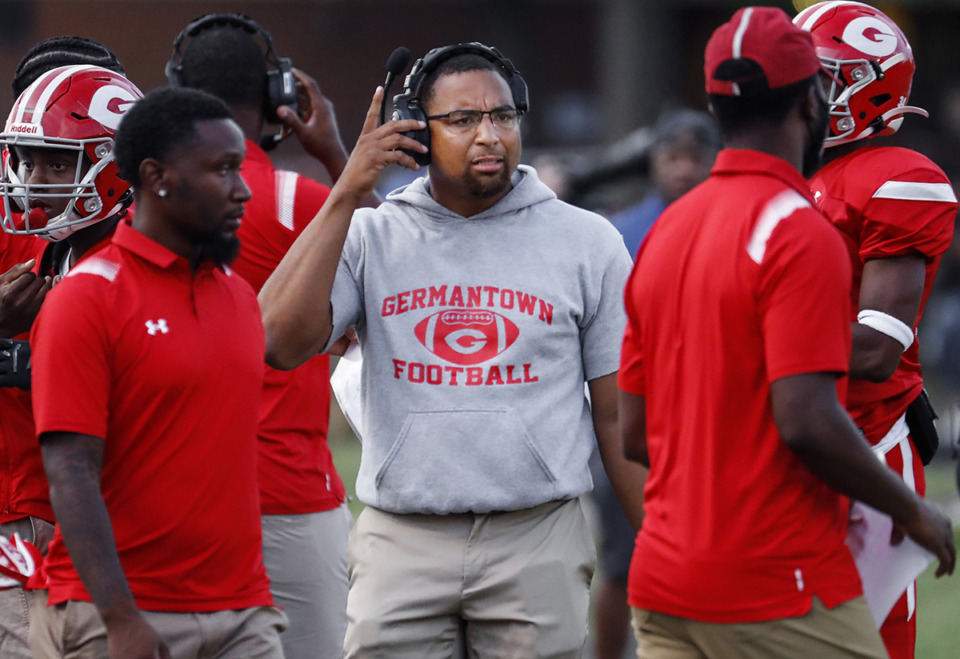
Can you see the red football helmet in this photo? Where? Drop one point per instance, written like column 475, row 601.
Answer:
column 870, row 64
column 68, row 109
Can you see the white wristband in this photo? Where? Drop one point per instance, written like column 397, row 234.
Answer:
column 884, row 323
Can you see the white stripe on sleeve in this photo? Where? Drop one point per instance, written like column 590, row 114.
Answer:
column 286, row 194
column 778, row 208
column 915, row 191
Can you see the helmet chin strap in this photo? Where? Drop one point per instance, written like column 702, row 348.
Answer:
column 906, row 109
column 886, row 117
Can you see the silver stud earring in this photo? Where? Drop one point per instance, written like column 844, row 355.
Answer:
column 162, row 193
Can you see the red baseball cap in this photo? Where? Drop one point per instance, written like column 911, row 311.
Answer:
column 760, row 48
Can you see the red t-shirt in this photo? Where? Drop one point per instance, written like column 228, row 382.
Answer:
column 296, row 468
column 167, row 368
column 887, row 201
column 740, row 283
column 23, row 485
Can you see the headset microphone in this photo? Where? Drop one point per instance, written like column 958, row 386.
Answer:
column 396, row 63
column 271, row 141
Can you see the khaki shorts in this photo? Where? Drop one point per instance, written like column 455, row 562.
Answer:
column 511, row 584
column 74, row 630
column 844, row 631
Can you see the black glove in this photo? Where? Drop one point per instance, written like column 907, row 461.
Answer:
column 15, row 364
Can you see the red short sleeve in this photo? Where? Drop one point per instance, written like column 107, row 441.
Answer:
column 69, row 348
column 805, row 298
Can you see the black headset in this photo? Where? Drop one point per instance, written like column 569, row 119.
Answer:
column 281, row 84
column 406, row 105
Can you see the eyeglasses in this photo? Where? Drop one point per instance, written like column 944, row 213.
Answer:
column 464, row 121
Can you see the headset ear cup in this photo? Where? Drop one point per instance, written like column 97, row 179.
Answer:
column 422, row 136
column 405, row 106
column 172, row 72
column 520, row 92
column 281, row 90
column 273, row 97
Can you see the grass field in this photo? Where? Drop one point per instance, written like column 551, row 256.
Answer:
column 938, row 600
column 938, row 635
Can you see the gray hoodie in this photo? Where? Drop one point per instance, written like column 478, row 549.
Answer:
column 478, row 335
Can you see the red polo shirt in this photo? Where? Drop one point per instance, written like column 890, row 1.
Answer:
column 167, row 368
column 741, row 282
column 296, row 468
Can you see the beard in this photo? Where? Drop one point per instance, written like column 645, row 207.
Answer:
column 220, row 248
column 813, row 154
column 484, row 187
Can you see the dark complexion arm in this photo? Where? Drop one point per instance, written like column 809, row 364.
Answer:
column 633, row 427
column 822, row 435
column 295, row 300
column 73, row 463
column 895, row 287
column 626, row 477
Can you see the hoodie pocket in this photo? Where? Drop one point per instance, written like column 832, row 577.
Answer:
column 464, row 460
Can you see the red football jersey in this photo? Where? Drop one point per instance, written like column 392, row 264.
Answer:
column 166, row 367
column 740, row 283
column 296, row 470
column 887, row 201
column 23, row 485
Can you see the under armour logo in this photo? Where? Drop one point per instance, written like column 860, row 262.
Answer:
column 157, row 326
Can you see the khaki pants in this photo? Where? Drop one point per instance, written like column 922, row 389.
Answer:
column 512, row 584
column 74, row 630
column 15, row 602
column 844, row 631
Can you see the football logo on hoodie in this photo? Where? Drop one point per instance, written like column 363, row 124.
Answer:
column 466, row 336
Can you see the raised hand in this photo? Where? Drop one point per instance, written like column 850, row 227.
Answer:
column 21, row 294
column 377, row 147
column 316, row 125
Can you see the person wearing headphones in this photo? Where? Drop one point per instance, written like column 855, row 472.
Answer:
column 483, row 305
column 303, row 500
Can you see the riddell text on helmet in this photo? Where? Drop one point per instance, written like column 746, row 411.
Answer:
column 29, row 129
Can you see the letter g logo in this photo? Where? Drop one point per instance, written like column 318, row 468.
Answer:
column 870, row 36
column 108, row 105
